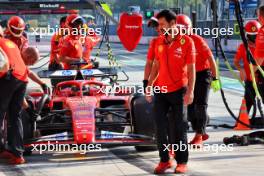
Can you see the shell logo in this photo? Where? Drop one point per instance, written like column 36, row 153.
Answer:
column 10, row 44
column 182, row 41
column 160, row 48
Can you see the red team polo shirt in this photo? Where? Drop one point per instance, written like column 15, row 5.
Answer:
column 241, row 54
column 20, row 71
column 54, row 47
column 151, row 50
column 71, row 46
column 259, row 51
column 174, row 58
column 203, row 52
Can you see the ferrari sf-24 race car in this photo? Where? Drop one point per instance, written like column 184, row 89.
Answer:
column 77, row 112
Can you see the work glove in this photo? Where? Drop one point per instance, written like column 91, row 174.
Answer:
column 145, row 85
column 215, row 84
column 45, row 88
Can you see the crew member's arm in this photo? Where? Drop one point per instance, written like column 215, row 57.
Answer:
column 188, row 99
column 259, row 50
column 154, row 72
column 34, row 77
column 67, row 59
column 150, row 59
column 65, row 52
column 213, row 66
column 4, row 66
column 148, row 67
column 149, row 63
column 191, row 72
column 207, row 53
column 237, row 60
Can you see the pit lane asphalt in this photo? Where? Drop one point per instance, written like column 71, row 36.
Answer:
column 126, row 161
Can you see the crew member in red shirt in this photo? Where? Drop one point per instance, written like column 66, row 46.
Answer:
column 16, row 27
column 153, row 23
column 55, row 41
column 251, row 28
column 205, row 71
column 4, row 64
column 173, row 72
column 71, row 47
column 12, row 92
column 15, row 30
column 259, row 51
column 89, row 42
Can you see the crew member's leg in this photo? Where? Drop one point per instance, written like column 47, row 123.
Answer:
column 15, row 140
column 261, row 84
column 176, row 100
column 161, row 107
column 7, row 89
column 249, row 95
column 191, row 110
column 201, row 103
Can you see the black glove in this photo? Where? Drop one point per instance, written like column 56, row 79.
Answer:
column 32, row 113
column 214, row 78
column 45, row 88
column 145, row 85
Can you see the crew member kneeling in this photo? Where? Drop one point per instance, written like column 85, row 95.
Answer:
column 12, row 92
column 174, row 69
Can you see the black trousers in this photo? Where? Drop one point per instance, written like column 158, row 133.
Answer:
column 260, row 82
column 162, row 103
column 197, row 111
column 249, row 95
column 12, row 93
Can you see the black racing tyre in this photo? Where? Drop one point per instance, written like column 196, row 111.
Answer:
column 27, row 151
column 142, row 148
column 143, row 120
column 28, row 126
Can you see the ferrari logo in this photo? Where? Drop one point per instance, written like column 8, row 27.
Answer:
column 10, row 44
column 76, row 47
column 182, row 41
column 253, row 28
column 160, row 48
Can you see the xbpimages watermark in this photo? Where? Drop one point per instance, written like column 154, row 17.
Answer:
column 212, row 32
column 215, row 148
column 58, row 147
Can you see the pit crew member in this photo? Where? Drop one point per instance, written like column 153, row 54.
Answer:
column 54, row 63
column 251, row 28
column 71, row 47
column 205, row 71
column 174, row 69
column 12, row 92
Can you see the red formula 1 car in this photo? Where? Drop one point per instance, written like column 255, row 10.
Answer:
column 79, row 111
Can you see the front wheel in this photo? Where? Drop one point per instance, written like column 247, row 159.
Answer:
column 143, row 120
